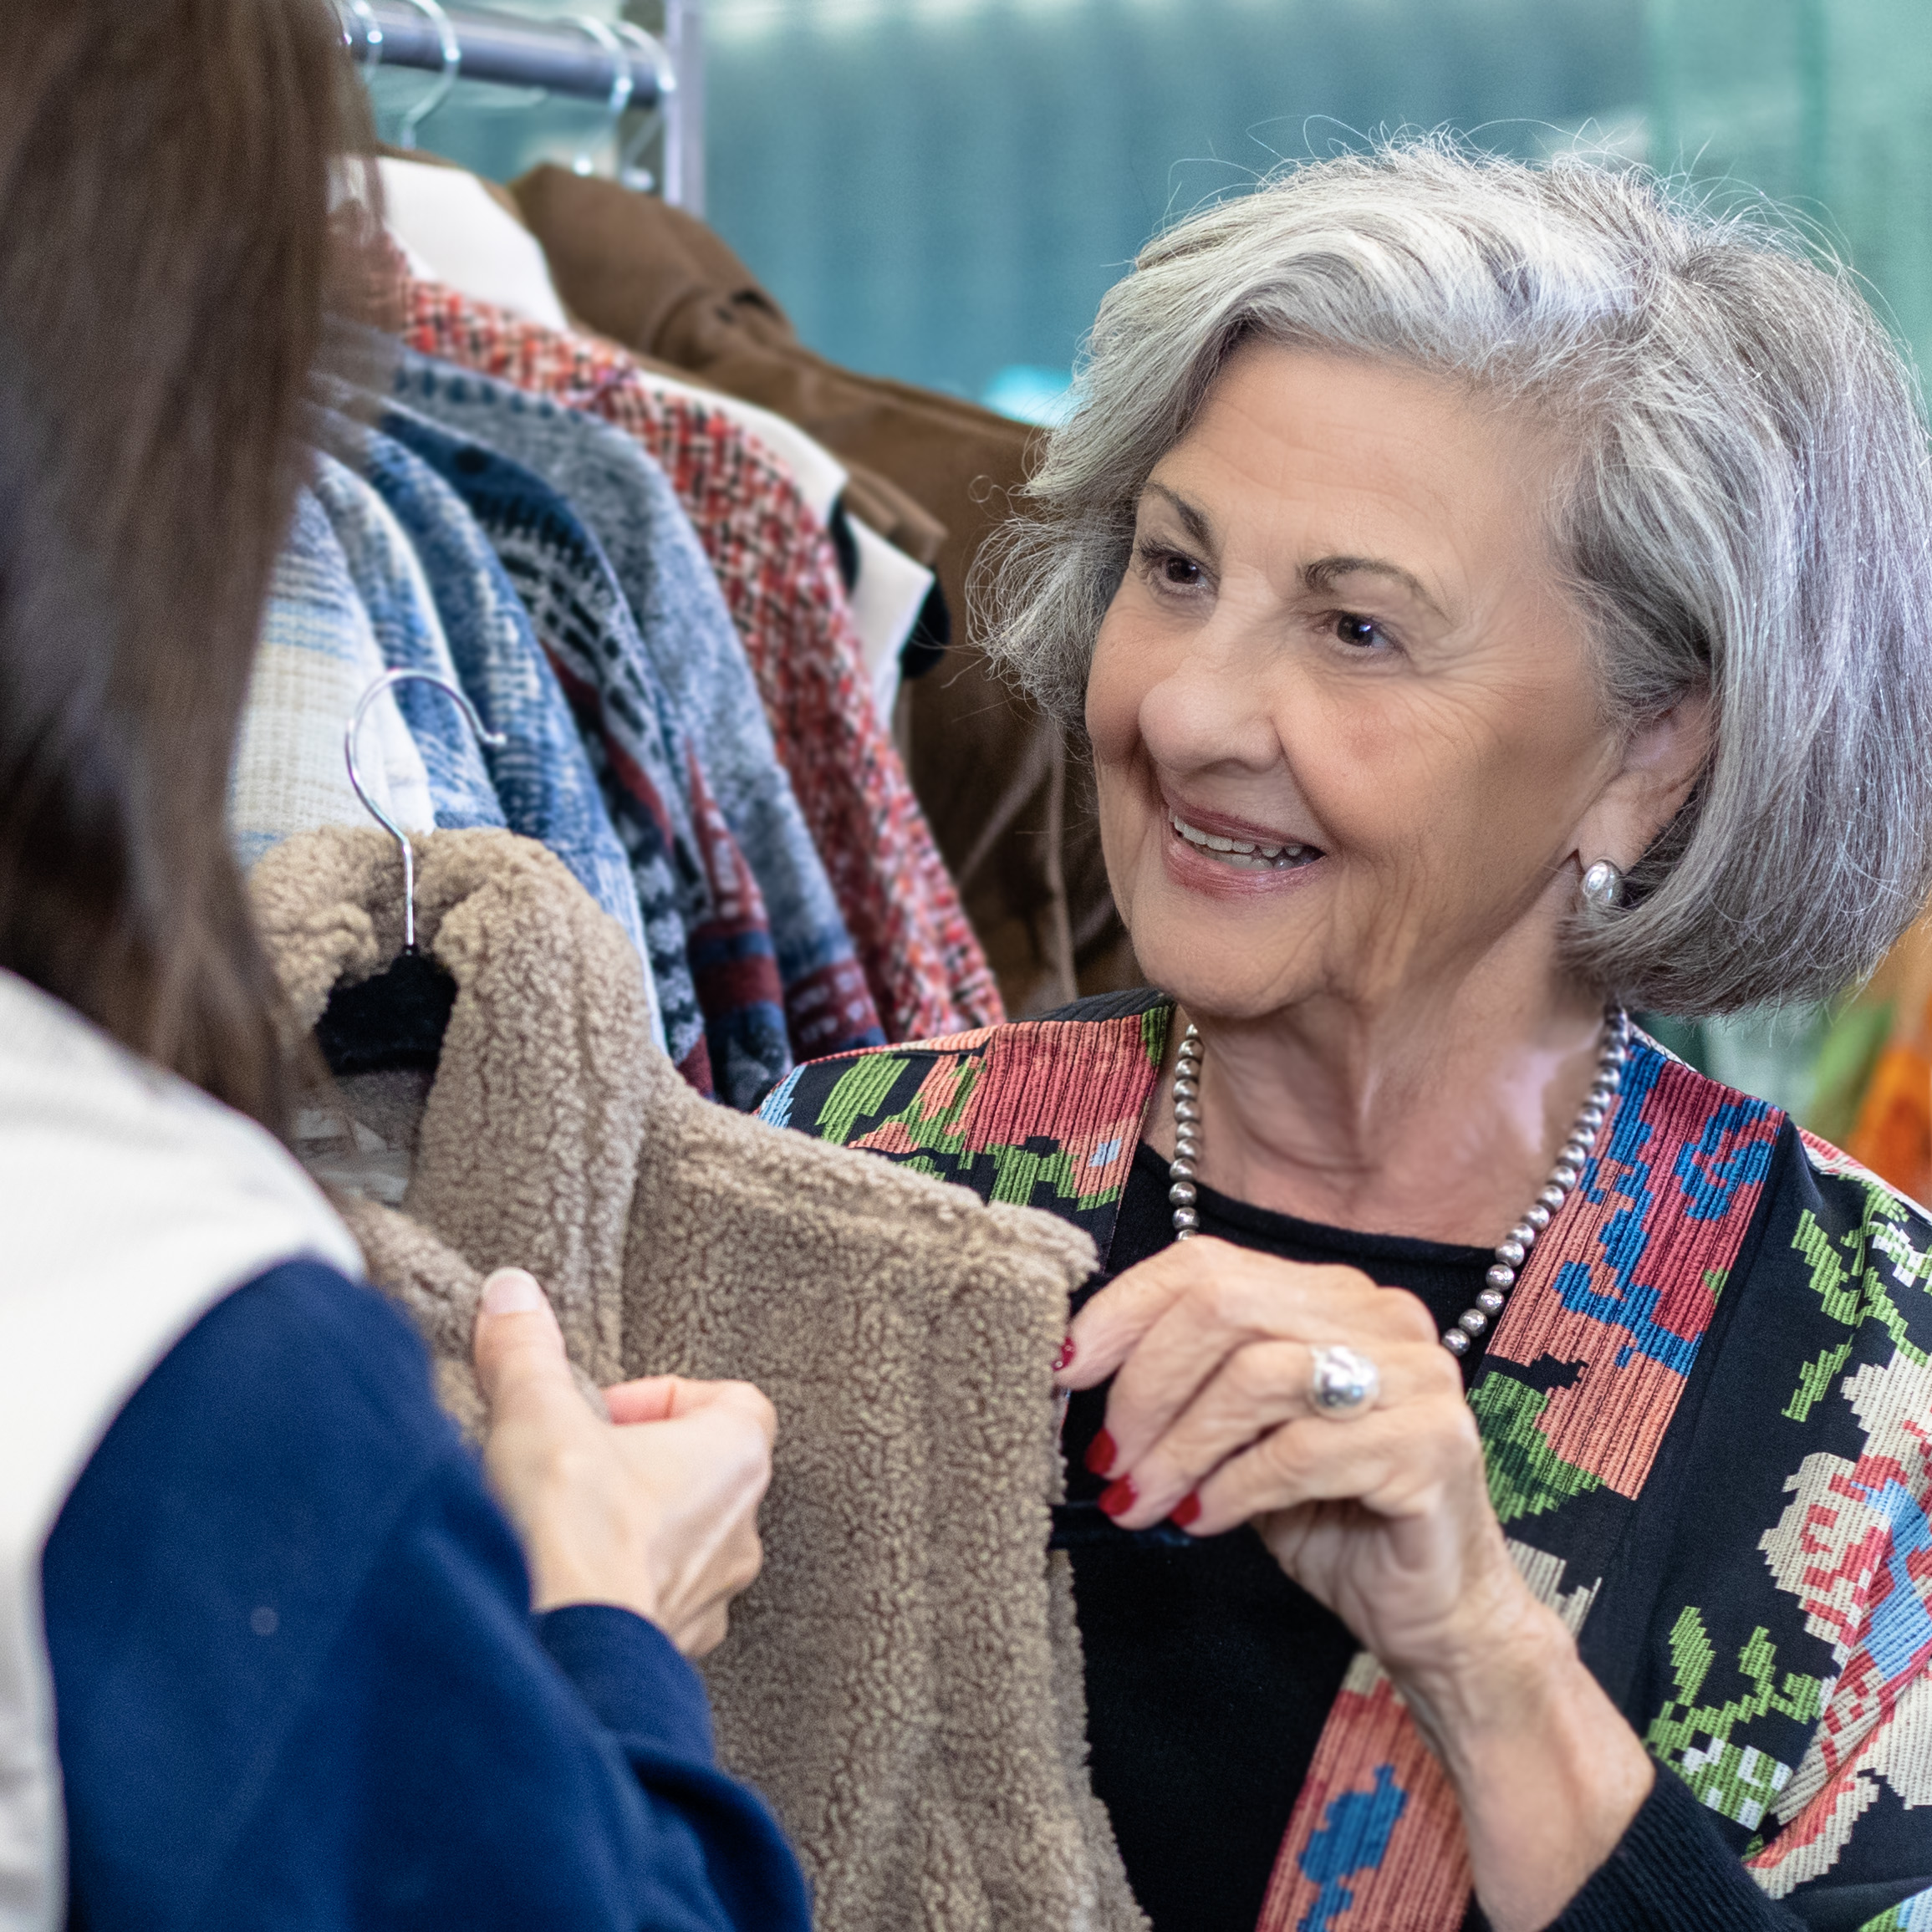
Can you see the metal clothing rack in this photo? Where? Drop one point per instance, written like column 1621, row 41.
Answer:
column 586, row 59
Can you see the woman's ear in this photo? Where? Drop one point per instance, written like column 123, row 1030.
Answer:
column 1661, row 762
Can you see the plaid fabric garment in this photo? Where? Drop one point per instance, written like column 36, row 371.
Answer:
column 776, row 566
column 400, row 609
column 315, row 657
column 543, row 776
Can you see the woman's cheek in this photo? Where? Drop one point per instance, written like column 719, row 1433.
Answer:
column 1113, row 696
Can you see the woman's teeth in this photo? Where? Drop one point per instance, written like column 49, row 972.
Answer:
column 1249, row 854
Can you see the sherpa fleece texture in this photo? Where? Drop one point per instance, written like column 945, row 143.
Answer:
column 904, row 1680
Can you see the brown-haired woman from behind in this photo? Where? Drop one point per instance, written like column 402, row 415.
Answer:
column 267, row 1654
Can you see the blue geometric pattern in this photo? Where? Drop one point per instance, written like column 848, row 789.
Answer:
column 1353, row 1836
column 1707, row 1179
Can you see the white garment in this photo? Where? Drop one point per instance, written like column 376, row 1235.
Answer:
column 130, row 1203
column 890, row 592
column 449, row 223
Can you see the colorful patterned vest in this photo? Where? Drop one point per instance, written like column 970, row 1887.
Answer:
column 1664, row 1577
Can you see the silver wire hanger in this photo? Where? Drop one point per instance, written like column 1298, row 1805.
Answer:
column 397, row 1017
column 493, row 741
column 628, row 172
column 623, row 85
column 371, row 57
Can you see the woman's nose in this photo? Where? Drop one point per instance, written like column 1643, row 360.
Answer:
column 1215, row 707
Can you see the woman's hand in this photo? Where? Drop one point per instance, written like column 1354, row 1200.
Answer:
column 1384, row 1518
column 658, row 1514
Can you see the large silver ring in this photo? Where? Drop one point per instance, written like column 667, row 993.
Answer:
column 1344, row 1384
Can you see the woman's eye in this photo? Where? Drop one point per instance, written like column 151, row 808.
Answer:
column 1364, row 632
column 1170, row 568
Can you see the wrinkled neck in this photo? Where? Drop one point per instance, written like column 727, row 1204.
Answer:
column 1437, row 1118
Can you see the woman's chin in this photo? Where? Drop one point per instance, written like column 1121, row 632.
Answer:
column 1232, row 953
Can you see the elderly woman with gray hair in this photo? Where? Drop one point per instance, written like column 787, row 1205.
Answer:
column 1496, row 599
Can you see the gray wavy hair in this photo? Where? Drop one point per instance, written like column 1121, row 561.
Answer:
column 1748, row 509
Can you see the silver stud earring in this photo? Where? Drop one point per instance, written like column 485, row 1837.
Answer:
column 1603, row 885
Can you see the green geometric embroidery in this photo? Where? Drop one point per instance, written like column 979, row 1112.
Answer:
column 860, row 1089
column 1854, row 1287
column 1815, row 1378
column 863, row 1088
column 1526, row 1477
column 1739, row 1782
column 1019, row 1169
column 1153, row 1024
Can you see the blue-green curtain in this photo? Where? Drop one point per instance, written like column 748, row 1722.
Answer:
column 938, row 189
column 1823, row 105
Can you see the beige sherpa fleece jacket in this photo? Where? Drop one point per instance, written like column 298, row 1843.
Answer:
column 903, row 1682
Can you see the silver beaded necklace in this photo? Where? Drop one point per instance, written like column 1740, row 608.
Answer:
column 1511, row 1252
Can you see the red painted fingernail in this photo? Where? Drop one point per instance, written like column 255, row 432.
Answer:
column 1186, row 1510
column 1100, row 1453
column 1117, row 1497
column 1065, row 1356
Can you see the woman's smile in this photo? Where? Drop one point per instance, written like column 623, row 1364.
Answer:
column 1228, row 846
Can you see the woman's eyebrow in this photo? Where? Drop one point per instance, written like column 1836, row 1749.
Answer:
column 1324, row 572
column 1193, row 521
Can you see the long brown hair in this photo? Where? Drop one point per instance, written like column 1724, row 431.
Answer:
column 165, row 253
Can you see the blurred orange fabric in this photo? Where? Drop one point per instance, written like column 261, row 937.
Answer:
column 1894, row 1135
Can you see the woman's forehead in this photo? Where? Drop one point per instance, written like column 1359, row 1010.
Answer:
column 1336, row 466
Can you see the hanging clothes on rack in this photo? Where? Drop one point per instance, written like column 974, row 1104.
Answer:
column 652, row 779
column 454, row 228
column 542, row 777
column 698, row 665
column 782, row 584
column 1013, row 811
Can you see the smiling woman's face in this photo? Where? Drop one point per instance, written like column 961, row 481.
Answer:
column 1347, row 734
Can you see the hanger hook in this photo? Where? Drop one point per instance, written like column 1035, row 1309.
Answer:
column 494, row 740
column 371, row 34
column 665, row 70
column 622, row 85
column 453, row 46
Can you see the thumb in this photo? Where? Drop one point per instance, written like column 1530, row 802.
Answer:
column 517, row 1345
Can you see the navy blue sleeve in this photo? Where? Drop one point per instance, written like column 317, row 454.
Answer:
column 297, row 1684
column 1671, row 1870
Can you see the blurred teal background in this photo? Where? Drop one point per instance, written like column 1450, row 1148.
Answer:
column 942, row 190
